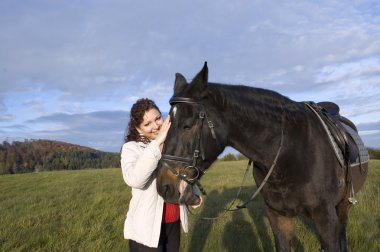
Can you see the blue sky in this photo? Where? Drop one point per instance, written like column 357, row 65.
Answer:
column 70, row 70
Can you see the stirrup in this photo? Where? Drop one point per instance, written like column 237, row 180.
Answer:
column 352, row 200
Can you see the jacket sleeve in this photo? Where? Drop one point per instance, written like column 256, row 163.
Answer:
column 137, row 166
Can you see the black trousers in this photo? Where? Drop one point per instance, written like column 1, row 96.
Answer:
column 170, row 238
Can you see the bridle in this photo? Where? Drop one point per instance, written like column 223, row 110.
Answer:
column 183, row 173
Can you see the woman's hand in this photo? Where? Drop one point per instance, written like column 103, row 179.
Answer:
column 163, row 131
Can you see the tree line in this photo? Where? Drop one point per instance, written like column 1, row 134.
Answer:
column 46, row 155
column 374, row 153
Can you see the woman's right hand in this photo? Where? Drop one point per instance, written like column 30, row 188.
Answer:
column 163, row 131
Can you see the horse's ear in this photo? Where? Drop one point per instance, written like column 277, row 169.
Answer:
column 179, row 83
column 201, row 79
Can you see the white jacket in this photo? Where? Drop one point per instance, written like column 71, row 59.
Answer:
column 143, row 223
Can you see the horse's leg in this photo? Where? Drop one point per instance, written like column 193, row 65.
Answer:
column 328, row 225
column 282, row 228
column 342, row 211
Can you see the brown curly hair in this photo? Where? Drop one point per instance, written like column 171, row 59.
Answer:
column 136, row 118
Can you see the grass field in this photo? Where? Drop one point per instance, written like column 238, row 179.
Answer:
column 85, row 210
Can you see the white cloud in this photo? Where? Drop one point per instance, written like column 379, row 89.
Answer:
column 369, row 132
column 349, row 70
column 5, row 117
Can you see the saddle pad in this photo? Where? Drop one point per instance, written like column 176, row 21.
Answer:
column 363, row 156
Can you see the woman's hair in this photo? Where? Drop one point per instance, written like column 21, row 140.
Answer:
column 136, row 118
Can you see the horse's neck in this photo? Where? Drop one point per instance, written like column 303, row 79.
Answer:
column 258, row 138
column 254, row 122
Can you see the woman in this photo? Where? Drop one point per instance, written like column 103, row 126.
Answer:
column 151, row 224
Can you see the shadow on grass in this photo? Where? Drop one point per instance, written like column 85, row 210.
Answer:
column 239, row 233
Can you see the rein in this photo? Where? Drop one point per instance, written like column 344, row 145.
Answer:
column 244, row 205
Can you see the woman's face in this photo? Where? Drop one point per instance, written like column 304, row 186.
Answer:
column 151, row 124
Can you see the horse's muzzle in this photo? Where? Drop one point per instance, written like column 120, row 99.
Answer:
column 167, row 186
column 187, row 195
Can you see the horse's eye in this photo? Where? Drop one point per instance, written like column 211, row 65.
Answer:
column 186, row 127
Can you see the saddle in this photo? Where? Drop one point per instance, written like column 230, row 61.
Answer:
column 341, row 129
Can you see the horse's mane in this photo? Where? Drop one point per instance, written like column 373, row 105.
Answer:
column 249, row 100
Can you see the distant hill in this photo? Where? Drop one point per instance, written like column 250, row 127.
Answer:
column 46, row 155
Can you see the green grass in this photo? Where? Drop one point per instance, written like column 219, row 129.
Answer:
column 85, row 210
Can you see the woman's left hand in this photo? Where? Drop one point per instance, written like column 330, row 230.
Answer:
column 163, row 131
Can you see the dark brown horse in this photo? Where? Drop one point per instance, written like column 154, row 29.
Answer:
column 283, row 137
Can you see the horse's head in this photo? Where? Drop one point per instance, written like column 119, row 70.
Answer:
column 194, row 140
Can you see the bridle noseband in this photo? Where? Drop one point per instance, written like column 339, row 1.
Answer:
column 191, row 162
